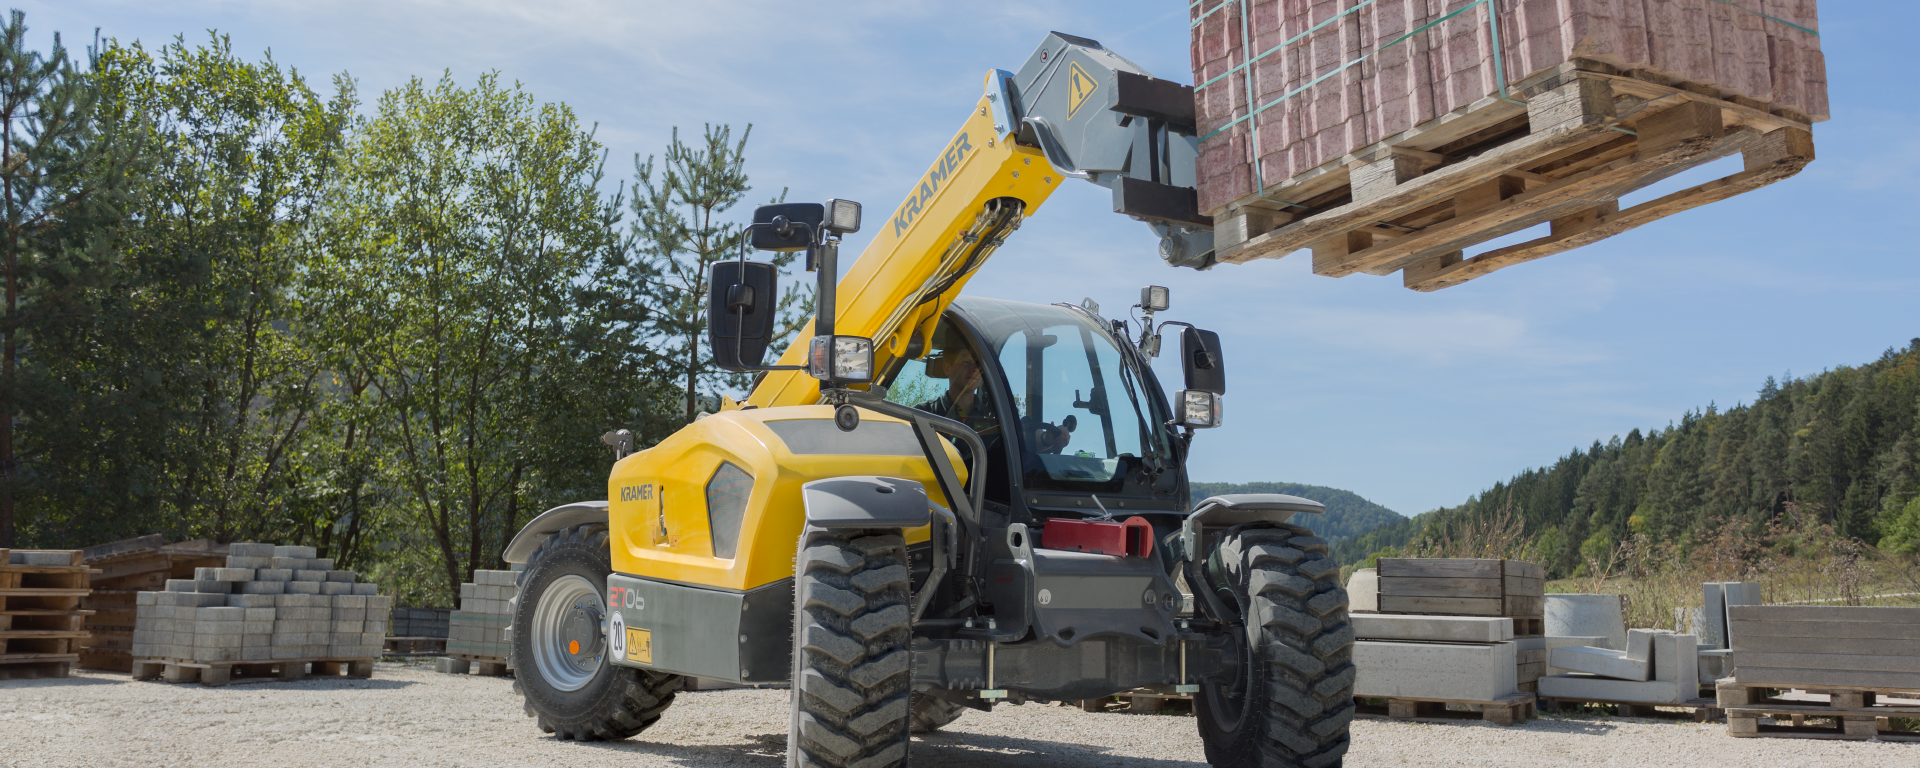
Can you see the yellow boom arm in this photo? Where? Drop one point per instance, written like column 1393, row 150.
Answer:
column 963, row 208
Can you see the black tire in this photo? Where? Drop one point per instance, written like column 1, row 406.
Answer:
column 852, row 660
column 1296, row 699
column 931, row 713
column 617, row 702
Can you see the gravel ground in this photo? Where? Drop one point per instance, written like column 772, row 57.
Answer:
column 409, row 715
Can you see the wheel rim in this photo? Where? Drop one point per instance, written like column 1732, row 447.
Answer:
column 569, row 635
column 1227, row 710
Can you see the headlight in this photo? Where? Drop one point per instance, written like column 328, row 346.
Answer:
column 841, row 358
column 1154, row 298
column 843, row 216
column 1199, row 409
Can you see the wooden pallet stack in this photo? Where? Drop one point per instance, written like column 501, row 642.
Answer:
column 1387, row 138
column 1853, row 656
column 41, row 621
column 122, row 570
column 1474, row 587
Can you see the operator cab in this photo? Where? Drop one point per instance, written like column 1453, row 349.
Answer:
column 1071, row 416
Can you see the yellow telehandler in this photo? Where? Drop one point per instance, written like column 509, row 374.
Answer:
column 941, row 502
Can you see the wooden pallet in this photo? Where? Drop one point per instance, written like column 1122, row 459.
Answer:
column 416, row 646
column 218, row 673
column 122, row 570
column 1698, row 710
column 1506, row 710
column 42, row 622
column 1842, row 713
column 490, row 666
column 1574, row 140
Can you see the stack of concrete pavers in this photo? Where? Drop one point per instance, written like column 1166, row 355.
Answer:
column 1657, row 667
column 477, row 632
column 421, row 622
column 1463, row 587
column 1413, row 661
column 268, row 604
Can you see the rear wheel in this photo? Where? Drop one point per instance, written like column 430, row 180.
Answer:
column 851, row 657
column 1292, row 701
column 559, row 647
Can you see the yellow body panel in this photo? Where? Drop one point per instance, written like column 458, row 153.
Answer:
column 904, row 255
column 658, row 497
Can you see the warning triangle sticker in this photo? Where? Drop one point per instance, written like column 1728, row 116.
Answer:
column 1080, row 87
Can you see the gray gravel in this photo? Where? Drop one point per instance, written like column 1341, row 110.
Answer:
column 409, row 715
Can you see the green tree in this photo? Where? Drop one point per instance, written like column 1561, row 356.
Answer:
column 463, row 226
column 681, row 223
column 61, row 184
column 240, row 154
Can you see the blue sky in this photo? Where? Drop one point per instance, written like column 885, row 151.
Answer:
column 1413, row 400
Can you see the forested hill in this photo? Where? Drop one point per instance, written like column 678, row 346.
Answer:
column 1843, row 445
column 1348, row 514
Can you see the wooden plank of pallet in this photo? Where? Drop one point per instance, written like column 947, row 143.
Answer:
column 1440, row 587
column 1798, row 677
column 1504, row 711
column 1436, row 567
column 1449, row 606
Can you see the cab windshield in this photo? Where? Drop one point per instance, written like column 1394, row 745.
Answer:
column 1085, row 420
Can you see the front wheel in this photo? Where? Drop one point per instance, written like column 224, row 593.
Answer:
column 1292, row 700
column 559, row 647
column 851, row 658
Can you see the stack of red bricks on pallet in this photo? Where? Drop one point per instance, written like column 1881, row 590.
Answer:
column 123, row 569
column 1392, row 135
column 41, row 621
column 1856, row 655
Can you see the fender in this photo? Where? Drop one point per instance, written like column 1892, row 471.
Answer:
column 553, row 520
column 866, row 501
column 1240, row 509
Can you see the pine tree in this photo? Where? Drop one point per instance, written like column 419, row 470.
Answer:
column 64, row 173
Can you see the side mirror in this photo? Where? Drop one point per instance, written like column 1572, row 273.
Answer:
column 740, row 304
column 793, row 215
column 1200, row 360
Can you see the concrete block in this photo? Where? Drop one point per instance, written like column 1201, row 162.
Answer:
column 180, row 585
column 259, row 614
column 1586, row 615
column 204, row 586
column 146, row 598
column 265, row 588
column 303, row 587
column 305, row 553
column 1640, row 644
column 215, row 654
column 1477, row 672
column 288, row 563
column 1604, row 662
column 273, row 574
column 1455, row 629
column 249, row 549
column 341, row 576
column 256, row 627
column 349, row 601
column 249, row 563
column 220, row 613
column 309, row 575
column 1579, row 687
column 366, row 589
column 250, row 601
column 466, row 591
column 1676, row 658
column 381, row 603
column 335, row 588
column 255, row 640
column 321, row 564
column 349, row 614
column 1363, row 591
column 257, row 653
